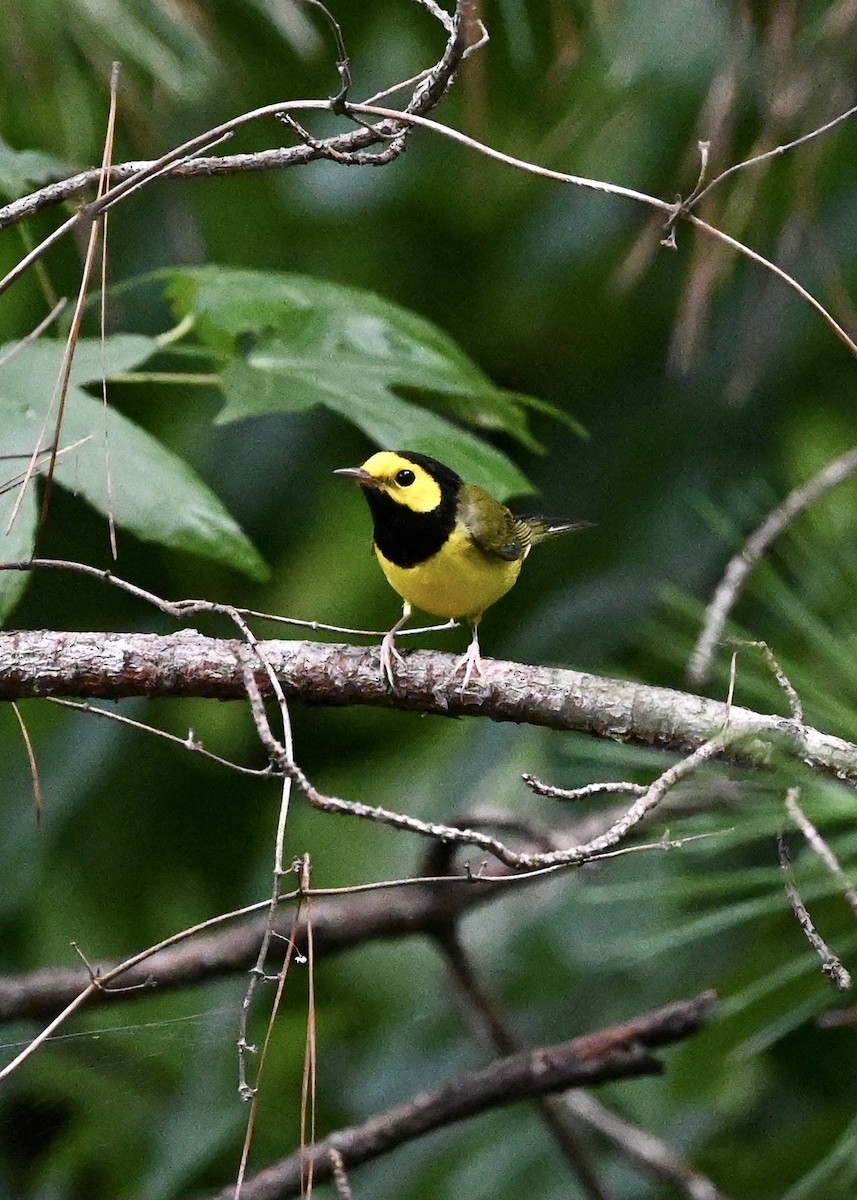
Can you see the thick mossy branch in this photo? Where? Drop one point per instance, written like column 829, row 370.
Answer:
column 122, row 665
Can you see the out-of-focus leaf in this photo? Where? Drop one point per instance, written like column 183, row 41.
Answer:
column 306, row 342
column 117, row 467
column 264, row 385
column 16, row 540
column 21, row 168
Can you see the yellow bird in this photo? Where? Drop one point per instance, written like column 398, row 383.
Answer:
column 446, row 546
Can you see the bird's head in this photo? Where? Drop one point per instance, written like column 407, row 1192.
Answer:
column 412, row 480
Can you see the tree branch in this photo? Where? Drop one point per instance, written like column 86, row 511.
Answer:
column 565, row 1116
column 339, row 923
column 119, row 665
column 344, row 147
column 619, row 1052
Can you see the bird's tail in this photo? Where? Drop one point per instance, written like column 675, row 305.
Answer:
column 547, row 527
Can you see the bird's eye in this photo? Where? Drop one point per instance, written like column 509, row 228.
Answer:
column 405, row 478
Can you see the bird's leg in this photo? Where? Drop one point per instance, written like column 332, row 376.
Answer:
column 389, row 651
column 472, row 659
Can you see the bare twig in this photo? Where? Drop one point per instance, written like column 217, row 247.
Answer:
column 649, row 800
column 641, row 1147
column 831, row 965
column 494, row 1033
column 564, row 856
column 191, row 742
column 699, row 195
column 185, row 160
column 391, row 122
column 309, row 1079
column 754, row 548
column 103, row 184
column 343, row 60
column 563, row 1115
column 34, row 334
column 31, row 759
column 44, row 455
column 789, row 280
column 585, row 792
column 247, row 1092
column 819, row 846
column 281, row 752
column 786, row 685
column 98, row 983
column 619, row 1052
column 182, row 609
column 64, row 377
column 340, row 1176
column 342, row 920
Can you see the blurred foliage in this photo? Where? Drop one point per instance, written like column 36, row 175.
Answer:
column 707, row 389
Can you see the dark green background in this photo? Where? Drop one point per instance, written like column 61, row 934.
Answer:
column 707, row 389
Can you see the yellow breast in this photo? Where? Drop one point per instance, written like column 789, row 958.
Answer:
column 459, row 581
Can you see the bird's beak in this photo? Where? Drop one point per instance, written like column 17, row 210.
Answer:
column 359, row 475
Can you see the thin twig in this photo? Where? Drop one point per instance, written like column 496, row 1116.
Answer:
column 34, row 334
column 583, row 793
column 99, row 983
column 103, row 185
column 757, row 545
column 831, row 965
column 563, row 1114
column 789, row 280
column 16, row 480
column 786, row 685
column 495, row 1034
column 344, row 918
column 777, row 151
column 190, row 742
column 31, row 759
column 309, row 1078
column 322, row 627
column 182, row 609
column 640, row 1146
column 180, row 160
column 819, row 846
column 61, row 386
column 673, row 212
column 340, row 1176
column 567, row 856
column 247, row 1092
column 279, row 752
column 622, row 1051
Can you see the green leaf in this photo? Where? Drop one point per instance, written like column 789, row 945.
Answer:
column 18, row 538
column 21, row 168
column 306, row 342
column 117, row 467
column 387, row 422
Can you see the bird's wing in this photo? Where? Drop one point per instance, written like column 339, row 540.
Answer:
column 492, row 526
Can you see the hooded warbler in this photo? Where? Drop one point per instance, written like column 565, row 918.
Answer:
column 446, row 546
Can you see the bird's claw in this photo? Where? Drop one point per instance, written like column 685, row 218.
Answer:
column 389, row 655
column 472, row 664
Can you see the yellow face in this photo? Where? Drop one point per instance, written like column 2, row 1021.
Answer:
column 405, row 482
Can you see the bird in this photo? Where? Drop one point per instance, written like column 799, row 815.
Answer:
column 447, row 547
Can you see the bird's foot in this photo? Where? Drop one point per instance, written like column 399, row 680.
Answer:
column 471, row 664
column 389, row 656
